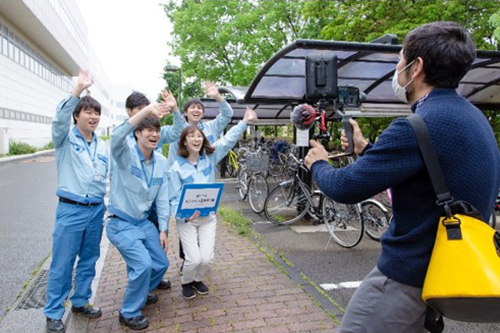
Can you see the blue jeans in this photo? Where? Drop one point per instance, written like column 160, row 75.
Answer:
column 139, row 245
column 77, row 232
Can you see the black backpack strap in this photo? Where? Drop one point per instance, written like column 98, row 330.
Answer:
column 431, row 161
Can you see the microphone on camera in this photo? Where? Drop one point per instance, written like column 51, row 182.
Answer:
column 303, row 116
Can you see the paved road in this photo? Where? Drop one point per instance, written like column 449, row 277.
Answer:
column 333, row 265
column 27, row 206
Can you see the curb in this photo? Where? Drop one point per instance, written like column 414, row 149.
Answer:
column 22, row 157
column 33, row 320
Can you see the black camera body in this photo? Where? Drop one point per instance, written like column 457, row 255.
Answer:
column 322, row 82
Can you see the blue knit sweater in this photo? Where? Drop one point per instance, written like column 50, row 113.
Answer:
column 468, row 154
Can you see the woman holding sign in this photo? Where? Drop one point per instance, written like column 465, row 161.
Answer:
column 196, row 162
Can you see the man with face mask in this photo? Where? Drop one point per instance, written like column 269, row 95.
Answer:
column 433, row 60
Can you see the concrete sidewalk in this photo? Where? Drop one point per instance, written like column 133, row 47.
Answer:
column 248, row 293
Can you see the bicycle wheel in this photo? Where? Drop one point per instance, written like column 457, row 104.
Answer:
column 286, row 204
column 230, row 169
column 375, row 218
column 257, row 192
column 242, row 184
column 344, row 222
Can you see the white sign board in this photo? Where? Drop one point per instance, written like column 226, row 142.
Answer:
column 302, row 138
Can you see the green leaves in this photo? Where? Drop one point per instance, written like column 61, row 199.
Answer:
column 228, row 41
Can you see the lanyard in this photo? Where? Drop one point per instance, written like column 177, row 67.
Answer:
column 148, row 181
column 88, row 150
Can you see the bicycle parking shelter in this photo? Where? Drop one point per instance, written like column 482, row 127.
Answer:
column 281, row 83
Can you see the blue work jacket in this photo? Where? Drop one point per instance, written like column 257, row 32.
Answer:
column 184, row 172
column 81, row 168
column 212, row 129
column 134, row 184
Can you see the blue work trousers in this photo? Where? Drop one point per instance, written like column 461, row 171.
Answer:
column 77, row 232
column 139, row 245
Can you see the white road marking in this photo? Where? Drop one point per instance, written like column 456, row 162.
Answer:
column 341, row 285
column 300, row 229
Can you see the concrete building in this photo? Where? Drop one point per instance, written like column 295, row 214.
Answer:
column 43, row 44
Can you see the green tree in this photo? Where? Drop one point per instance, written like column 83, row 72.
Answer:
column 363, row 21
column 228, row 41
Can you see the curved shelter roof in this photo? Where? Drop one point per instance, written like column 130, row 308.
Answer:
column 281, row 82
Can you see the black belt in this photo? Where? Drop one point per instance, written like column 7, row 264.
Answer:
column 72, row 202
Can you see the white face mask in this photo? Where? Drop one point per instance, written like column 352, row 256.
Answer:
column 398, row 89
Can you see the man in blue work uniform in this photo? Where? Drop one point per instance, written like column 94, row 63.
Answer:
column 82, row 165
column 140, row 178
column 134, row 103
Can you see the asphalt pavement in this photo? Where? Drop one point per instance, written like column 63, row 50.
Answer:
column 27, row 204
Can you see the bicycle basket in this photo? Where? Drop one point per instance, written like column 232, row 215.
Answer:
column 257, row 162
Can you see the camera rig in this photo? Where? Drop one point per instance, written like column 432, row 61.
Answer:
column 322, row 89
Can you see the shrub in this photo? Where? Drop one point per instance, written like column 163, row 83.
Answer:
column 20, row 148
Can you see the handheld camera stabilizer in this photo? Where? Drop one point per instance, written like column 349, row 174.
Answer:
column 322, row 89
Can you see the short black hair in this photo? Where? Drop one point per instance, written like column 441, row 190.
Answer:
column 136, row 99
column 194, row 101
column 447, row 50
column 86, row 102
column 149, row 122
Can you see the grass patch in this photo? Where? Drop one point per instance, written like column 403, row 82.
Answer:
column 322, row 292
column 104, row 137
column 33, row 274
column 234, row 218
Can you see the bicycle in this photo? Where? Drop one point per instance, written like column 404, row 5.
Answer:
column 376, row 218
column 292, row 199
column 252, row 182
column 232, row 163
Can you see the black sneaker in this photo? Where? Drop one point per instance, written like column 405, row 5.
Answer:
column 152, row 299
column 188, row 291
column 136, row 323
column 164, row 284
column 55, row 325
column 200, row 287
column 87, row 311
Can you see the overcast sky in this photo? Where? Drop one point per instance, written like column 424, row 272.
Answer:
column 129, row 37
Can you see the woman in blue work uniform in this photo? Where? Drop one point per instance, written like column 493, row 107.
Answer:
column 193, row 113
column 139, row 178
column 82, row 167
column 196, row 163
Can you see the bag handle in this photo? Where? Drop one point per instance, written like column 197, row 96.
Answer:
column 431, row 162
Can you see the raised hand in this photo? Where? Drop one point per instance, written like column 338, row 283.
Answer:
column 169, row 100
column 250, row 116
column 212, row 90
column 83, row 82
column 157, row 109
